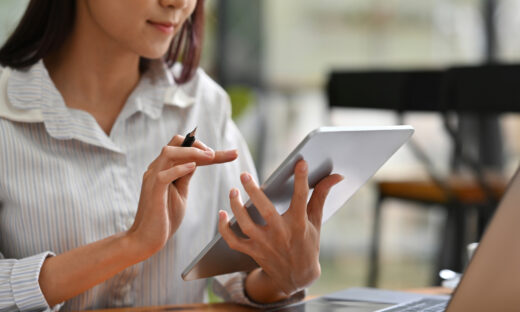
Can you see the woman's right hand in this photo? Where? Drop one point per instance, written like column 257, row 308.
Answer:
column 161, row 208
column 162, row 204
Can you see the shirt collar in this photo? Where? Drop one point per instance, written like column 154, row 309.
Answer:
column 33, row 90
column 157, row 88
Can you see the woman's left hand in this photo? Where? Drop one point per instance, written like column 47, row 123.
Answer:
column 287, row 246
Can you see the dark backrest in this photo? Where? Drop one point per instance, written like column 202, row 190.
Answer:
column 484, row 89
column 417, row 90
column 477, row 89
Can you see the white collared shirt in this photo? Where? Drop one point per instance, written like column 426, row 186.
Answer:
column 65, row 183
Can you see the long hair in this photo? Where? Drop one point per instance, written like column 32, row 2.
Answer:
column 46, row 24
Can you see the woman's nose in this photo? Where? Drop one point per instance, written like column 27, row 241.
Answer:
column 177, row 4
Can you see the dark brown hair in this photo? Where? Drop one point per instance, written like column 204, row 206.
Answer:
column 46, row 25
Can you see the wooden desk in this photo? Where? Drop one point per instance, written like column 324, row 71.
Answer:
column 212, row 307
column 221, row 307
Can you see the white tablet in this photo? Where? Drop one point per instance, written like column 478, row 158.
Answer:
column 356, row 153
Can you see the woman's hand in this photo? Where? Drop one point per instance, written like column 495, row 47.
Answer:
column 164, row 192
column 287, row 247
column 161, row 208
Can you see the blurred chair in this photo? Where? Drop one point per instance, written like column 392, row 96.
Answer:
column 480, row 92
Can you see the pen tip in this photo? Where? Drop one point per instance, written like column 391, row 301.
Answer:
column 192, row 133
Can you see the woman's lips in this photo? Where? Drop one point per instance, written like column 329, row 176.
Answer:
column 164, row 27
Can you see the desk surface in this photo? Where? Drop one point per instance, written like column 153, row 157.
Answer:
column 221, row 307
column 212, row 307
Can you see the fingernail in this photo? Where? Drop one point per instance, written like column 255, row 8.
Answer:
column 221, row 215
column 303, row 167
column 190, row 165
column 231, row 153
column 209, row 153
column 245, row 177
column 233, row 193
column 340, row 179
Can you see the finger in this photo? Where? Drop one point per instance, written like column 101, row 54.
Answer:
column 178, row 139
column 167, row 176
column 298, row 207
column 247, row 225
column 260, row 200
column 233, row 241
column 202, row 146
column 221, row 157
column 166, row 159
column 321, row 190
column 204, row 157
column 172, row 155
column 182, row 184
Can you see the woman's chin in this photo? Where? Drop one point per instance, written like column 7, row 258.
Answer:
column 152, row 56
column 152, row 51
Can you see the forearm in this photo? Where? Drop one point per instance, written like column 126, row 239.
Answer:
column 260, row 289
column 70, row 274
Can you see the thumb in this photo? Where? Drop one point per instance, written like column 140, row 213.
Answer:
column 317, row 201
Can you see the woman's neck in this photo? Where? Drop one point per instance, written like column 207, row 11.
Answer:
column 93, row 73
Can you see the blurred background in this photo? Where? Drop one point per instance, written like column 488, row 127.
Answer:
column 275, row 58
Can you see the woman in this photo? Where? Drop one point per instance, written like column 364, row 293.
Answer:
column 90, row 215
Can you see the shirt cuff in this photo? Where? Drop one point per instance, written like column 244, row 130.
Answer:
column 24, row 283
column 234, row 286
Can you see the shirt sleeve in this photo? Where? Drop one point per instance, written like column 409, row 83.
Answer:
column 230, row 287
column 19, row 287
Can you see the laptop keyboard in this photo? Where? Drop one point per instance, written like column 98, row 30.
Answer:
column 422, row 305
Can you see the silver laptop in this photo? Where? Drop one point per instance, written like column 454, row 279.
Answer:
column 356, row 153
column 490, row 283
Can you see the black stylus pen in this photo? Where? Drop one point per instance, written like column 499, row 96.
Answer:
column 188, row 141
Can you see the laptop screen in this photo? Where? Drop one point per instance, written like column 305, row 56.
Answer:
column 492, row 280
